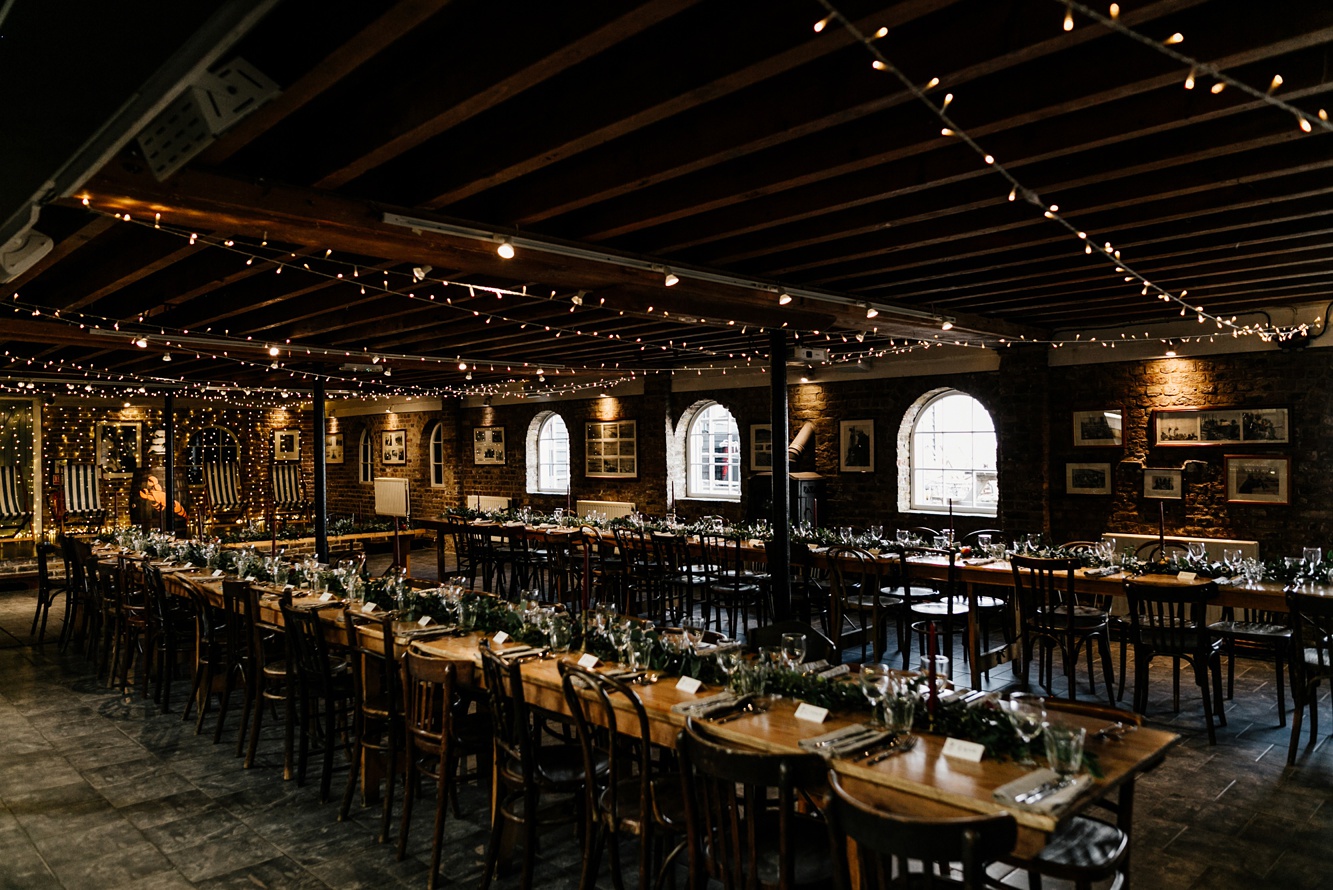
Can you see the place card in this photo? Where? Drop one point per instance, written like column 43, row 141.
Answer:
column 833, row 672
column 325, row 597
column 217, row 573
column 424, row 621
column 288, row 588
column 689, row 685
column 811, row 713
column 1187, row 576
column 500, row 637
column 963, row 750
column 812, row 666
column 368, row 608
column 588, row 660
column 249, row 579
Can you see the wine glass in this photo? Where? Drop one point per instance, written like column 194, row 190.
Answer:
column 983, row 543
column 1027, row 714
column 875, row 681
column 1197, row 550
column 1313, row 557
column 1232, row 559
column 693, row 631
column 793, row 649
column 904, row 536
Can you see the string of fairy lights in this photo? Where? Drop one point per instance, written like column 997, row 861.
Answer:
column 530, row 378
column 1106, row 251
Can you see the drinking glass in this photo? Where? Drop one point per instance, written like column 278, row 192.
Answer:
column 1106, row 552
column 845, row 534
column 1197, row 550
column 876, row 680
column 876, row 532
column 693, row 631
column 729, row 661
column 1027, row 714
column 1313, row 557
column 793, row 649
column 1032, row 541
column 900, row 705
column 983, row 543
column 1064, row 747
column 280, row 572
column 671, row 520
column 559, row 514
column 904, row 536
column 640, row 651
column 1232, row 559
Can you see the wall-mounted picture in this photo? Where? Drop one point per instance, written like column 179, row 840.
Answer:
column 286, row 444
column 119, row 447
column 1088, row 478
column 1162, row 484
column 1258, row 479
column 761, row 447
column 1099, row 429
column 488, row 445
column 333, row 448
column 612, row 450
column 393, row 449
column 1221, row 426
column 856, row 450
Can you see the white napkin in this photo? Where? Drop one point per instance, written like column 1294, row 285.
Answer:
column 1005, row 794
column 979, row 561
column 703, row 707
column 1101, row 572
column 855, row 735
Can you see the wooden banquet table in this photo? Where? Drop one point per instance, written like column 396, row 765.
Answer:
column 921, row 780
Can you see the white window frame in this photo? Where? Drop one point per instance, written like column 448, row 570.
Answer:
column 700, row 468
column 435, row 456
column 542, row 455
column 974, row 467
column 365, row 458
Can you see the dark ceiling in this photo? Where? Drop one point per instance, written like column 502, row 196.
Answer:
column 728, row 141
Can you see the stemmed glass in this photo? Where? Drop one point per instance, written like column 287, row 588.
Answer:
column 793, row 650
column 904, row 536
column 1313, row 557
column 875, row 682
column 692, row 629
column 1027, row 714
column 1233, row 560
column 1197, row 550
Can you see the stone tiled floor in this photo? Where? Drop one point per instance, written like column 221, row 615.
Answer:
column 99, row 790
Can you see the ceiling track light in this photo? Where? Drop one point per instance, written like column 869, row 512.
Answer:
column 784, row 298
column 946, row 324
column 506, row 249
column 419, row 273
column 871, row 311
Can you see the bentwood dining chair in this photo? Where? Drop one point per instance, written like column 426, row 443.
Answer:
column 1169, row 620
column 749, row 820
column 377, row 709
column 1311, row 661
column 639, row 797
column 323, row 688
column 526, row 770
column 1051, row 619
column 889, row 844
column 47, row 590
column 859, row 608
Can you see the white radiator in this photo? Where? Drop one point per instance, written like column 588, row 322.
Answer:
column 610, row 509
column 486, row 502
column 1248, row 549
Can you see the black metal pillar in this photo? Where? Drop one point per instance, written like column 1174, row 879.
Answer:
column 779, row 556
column 321, row 483
column 169, row 425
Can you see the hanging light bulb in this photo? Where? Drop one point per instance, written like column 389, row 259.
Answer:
column 1069, row 19
column 273, row 350
column 822, row 23
column 1189, row 80
column 1174, row 39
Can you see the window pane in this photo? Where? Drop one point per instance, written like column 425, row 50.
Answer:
column 553, row 456
column 953, row 456
column 714, row 447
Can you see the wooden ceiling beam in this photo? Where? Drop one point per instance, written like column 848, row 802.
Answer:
column 63, row 249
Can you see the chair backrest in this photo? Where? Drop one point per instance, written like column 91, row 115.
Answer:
column 817, row 646
column 287, row 491
column 222, row 485
column 428, row 696
column 722, row 555
column 852, row 573
column 13, row 502
column 996, row 536
column 82, row 492
column 888, row 843
column 1311, row 617
column 1169, row 619
column 947, row 587
column 1041, row 586
column 306, row 643
column 237, row 634
column 636, row 548
column 741, row 807
column 374, row 659
column 610, row 735
column 510, row 717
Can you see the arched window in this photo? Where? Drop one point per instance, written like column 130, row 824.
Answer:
column 713, row 454
column 210, row 445
column 548, row 454
column 365, row 458
column 952, row 455
column 437, row 456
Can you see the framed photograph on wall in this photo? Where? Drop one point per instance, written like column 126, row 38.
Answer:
column 1258, row 479
column 333, row 448
column 612, row 450
column 856, row 446
column 1162, row 484
column 488, row 445
column 394, row 447
column 1221, row 426
column 119, row 447
column 1099, row 429
column 761, row 447
column 286, row 444
column 1087, row 478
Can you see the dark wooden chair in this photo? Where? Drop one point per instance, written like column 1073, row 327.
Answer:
column 732, row 588
column 859, row 609
column 1256, row 632
column 171, row 631
column 1169, row 620
column 1311, row 662
column 377, row 709
column 817, row 646
column 323, row 689
column 887, row 845
column 526, row 770
column 47, row 590
column 1052, row 619
column 748, row 818
column 637, row 797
